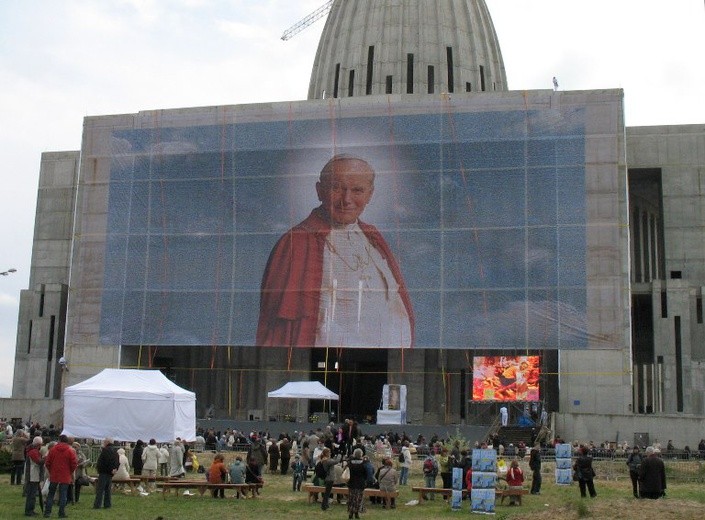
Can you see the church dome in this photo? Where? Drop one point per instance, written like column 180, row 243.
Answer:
column 407, row 47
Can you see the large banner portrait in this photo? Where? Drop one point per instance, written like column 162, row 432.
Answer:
column 383, row 222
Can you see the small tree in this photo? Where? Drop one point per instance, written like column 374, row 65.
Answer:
column 5, row 461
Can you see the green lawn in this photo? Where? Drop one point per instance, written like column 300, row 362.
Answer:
column 684, row 501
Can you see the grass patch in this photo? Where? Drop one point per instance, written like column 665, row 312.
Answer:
column 582, row 509
column 614, row 501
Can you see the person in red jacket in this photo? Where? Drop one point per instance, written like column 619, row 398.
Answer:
column 515, row 479
column 61, row 462
column 468, row 479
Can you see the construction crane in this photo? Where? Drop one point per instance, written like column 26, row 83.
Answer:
column 305, row 22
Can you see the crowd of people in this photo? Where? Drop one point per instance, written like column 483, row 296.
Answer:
column 54, row 465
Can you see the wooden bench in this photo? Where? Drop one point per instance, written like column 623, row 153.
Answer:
column 131, row 483
column 504, row 493
column 499, row 493
column 313, row 491
column 152, row 482
column 157, row 478
column 423, row 491
column 202, row 486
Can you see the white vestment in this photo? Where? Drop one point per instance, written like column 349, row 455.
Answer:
column 360, row 305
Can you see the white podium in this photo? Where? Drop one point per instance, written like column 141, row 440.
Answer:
column 393, row 405
column 391, row 417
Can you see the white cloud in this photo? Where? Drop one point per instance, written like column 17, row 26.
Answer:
column 239, row 30
column 8, row 300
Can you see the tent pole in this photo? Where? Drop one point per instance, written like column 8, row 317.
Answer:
column 325, row 379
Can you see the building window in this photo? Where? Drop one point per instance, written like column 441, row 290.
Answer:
column 468, row 87
column 351, row 83
column 29, row 337
column 335, row 80
column 50, row 349
column 388, row 86
column 482, row 78
column 370, row 61
column 664, row 304
column 645, row 245
column 431, row 79
column 653, row 247
column 409, row 73
column 679, row 363
column 676, row 275
column 699, row 309
column 648, row 234
column 451, row 78
column 638, row 253
column 41, row 301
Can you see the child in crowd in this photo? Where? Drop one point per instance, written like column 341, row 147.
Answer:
column 299, row 470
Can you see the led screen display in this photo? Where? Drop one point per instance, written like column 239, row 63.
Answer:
column 505, row 378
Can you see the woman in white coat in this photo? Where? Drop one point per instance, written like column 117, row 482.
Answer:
column 164, row 461
column 123, row 471
column 150, row 457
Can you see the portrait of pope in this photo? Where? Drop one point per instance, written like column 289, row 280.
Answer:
column 332, row 280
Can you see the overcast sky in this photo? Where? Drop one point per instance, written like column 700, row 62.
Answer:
column 61, row 60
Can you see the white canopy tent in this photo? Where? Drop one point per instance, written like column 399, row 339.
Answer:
column 303, row 390
column 128, row 405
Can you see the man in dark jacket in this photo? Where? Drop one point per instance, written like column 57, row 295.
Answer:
column 107, row 464
column 137, row 461
column 634, row 462
column 652, row 475
column 258, row 453
column 535, row 466
column 285, row 455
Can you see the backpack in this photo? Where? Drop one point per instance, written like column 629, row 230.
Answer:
column 430, row 467
column 320, row 471
column 401, row 457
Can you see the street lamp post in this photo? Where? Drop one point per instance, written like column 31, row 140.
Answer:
column 9, row 271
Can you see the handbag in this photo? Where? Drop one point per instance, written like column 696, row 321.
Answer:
column 576, row 475
column 346, row 474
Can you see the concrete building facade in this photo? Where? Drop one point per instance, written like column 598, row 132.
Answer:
column 653, row 384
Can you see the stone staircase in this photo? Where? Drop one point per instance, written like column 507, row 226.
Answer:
column 515, row 434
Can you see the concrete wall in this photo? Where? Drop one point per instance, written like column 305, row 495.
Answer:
column 45, row 411
column 598, row 380
column 42, row 314
column 684, row 431
column 679, row 153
